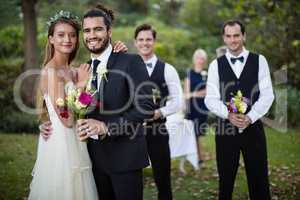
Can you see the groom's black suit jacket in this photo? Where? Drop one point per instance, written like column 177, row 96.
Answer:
column 121, row 110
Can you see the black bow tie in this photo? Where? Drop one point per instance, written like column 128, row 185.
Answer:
column 149, row 65
column 233, row 60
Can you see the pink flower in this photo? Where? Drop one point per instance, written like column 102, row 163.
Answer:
column 85, row 98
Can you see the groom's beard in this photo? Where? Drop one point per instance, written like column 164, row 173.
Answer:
column 99, row 50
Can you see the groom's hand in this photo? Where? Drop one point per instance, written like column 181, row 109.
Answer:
column 89, row 127
column 46, row 130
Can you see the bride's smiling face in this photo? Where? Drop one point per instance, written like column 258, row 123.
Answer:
column 64, row 38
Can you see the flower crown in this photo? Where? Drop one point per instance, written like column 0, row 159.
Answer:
column 62, row 14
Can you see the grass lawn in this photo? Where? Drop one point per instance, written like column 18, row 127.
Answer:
column 18, row 151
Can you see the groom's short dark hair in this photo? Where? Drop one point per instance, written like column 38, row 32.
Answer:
column 101, row 11
column 232, row 23
column 144, row 27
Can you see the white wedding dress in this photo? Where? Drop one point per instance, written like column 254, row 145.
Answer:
column 63, row 168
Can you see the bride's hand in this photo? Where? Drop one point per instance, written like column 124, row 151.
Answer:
column 119, row 46
column 83, row 75
column 74, row 74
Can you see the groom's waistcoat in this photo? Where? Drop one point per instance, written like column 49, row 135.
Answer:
column 157, row 78
column 247, row 83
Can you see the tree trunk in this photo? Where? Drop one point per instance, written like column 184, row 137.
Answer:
column 172, row 11
column 146, row 6
column 30, row 49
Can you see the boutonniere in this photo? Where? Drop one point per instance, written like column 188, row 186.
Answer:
column 102, row 71
column 204, row 73
column 155, row 95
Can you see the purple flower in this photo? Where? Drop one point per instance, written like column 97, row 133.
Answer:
column 234, row 109
column 231, row 107
column 85, row 98
column 246, row 100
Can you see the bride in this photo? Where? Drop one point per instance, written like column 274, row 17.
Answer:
column 63, row 168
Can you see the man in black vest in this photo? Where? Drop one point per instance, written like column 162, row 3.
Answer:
column 166, row 86
column 242, row 70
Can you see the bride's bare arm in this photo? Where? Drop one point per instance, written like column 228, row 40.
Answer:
column 53, row 84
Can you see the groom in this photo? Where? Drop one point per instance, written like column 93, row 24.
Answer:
column 119, row 158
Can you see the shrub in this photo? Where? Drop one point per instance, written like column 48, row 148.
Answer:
column 12, row 120
column 9, row 70
column 293, row 106
column 11, row 42
column 17, row 122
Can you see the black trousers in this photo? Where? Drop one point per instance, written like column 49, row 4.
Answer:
column 119, row 186
column 252, row 143
column 158, row 148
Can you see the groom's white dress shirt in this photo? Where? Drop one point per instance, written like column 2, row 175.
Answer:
column 175, row 99
column 266, row 96
column 103, row 58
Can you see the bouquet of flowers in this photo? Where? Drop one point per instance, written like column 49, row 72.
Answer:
column 238, row 104
column 79, row 101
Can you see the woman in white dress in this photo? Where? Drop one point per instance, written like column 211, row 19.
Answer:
column 63, row 169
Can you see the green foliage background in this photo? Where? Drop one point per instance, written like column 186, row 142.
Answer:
column 183, row 25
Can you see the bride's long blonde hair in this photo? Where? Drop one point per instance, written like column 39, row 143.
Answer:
column 49, row 53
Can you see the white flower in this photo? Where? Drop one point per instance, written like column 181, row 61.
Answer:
column 204, row 73
column 72, row 93
column 69, row 87
column 79, row 105
column 101, row 71
column 60, row 102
